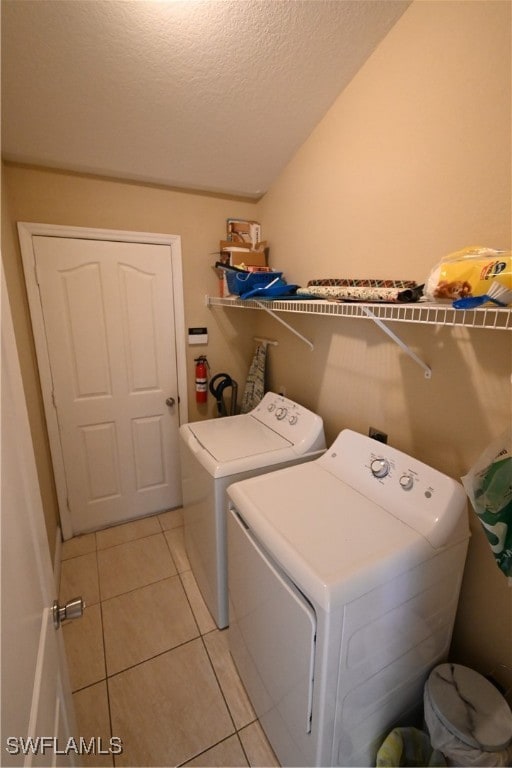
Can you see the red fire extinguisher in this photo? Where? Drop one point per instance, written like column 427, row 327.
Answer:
column 201, row 379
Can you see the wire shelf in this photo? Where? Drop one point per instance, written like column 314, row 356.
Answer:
column 425, row 313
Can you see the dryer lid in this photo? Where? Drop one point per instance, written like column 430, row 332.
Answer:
column 236, row 437
column 470, row 707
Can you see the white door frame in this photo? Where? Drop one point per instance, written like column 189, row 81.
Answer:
column 28, row 230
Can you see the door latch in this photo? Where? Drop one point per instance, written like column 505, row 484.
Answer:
column 73, row 609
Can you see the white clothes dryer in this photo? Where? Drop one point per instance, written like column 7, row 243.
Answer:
column 344, row 576
column 217, row 452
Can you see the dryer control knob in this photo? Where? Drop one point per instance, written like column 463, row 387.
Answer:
column 293, row 419
column 280, row 413
column 406, row 482
column 271, row 407
column 379, row 467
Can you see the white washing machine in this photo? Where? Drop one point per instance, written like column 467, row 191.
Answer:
column 344, row 577
column 217, row 452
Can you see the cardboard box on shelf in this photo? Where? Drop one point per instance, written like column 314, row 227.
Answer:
column 239, row 253
column 243, row 230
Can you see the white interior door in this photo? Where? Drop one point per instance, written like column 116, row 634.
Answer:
column 36, row 695
column 110, row 341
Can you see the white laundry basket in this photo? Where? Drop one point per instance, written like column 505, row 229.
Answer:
column 468, row 719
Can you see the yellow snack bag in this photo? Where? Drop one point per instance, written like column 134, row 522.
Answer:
column 469, row 272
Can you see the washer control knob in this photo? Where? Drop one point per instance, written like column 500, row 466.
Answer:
column 293, row 419
column 406, row 482
column 379, row 467
column 280, row 413
column 271, row 407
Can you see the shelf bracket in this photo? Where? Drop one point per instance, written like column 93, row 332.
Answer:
column 286, row 325
column 427, row 370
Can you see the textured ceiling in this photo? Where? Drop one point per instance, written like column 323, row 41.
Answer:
column 213, row 95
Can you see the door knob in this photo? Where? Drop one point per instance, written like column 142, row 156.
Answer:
column 170, row 401
column 73, row 609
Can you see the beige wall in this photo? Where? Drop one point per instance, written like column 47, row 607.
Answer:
column 30, row 380
column 42, row 196
column 411, row 163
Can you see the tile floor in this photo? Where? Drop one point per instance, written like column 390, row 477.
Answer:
column 146, row 661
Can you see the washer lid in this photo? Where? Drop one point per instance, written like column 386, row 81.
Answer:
column 470, row 707
column 334, row 543
column 236, row 437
